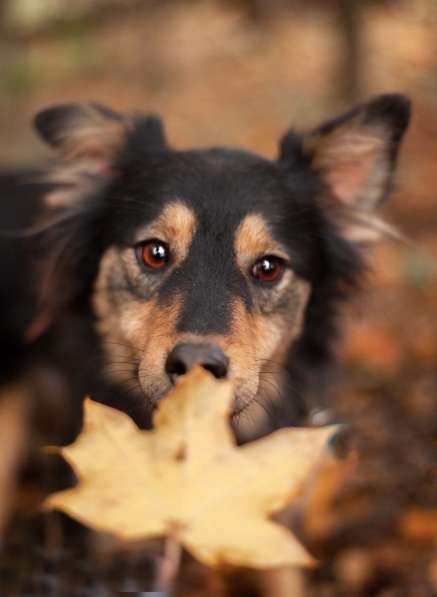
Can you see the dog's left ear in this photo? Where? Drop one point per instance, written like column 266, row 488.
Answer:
column 355, row 157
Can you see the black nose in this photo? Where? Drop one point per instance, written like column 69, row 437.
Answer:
column 184, row 356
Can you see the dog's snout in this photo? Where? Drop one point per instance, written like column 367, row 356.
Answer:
column 184, row 356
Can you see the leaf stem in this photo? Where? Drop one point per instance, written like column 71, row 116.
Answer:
column 168, row 568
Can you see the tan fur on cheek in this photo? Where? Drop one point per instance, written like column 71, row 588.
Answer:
column 159, row 340
column 271, row 337
column 260, row 342
column 240, row 348
column 121, row 318
column 137, row 337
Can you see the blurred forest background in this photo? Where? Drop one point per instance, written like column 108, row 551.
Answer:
column 241, row 72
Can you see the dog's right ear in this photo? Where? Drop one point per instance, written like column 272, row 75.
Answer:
column 92, row 131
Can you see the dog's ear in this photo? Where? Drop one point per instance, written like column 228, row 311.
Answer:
column 355, row 157
column 93, row 131
column 89, row 138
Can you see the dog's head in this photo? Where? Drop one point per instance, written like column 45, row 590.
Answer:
column 218, row 256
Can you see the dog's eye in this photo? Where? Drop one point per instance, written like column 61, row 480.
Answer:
column 268, row 268
column 153, row 254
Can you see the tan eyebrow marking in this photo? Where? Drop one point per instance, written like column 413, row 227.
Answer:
column 176, row 225
column 253, row 238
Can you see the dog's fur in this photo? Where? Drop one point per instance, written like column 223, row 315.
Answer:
column 107, row 325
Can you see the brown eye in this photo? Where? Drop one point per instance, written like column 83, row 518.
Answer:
column 268, row 269
column 153, row 254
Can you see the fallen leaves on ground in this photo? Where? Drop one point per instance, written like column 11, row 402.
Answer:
column 187, row 479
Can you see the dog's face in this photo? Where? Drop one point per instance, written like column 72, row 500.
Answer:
column 207, row 263
column 215, row 257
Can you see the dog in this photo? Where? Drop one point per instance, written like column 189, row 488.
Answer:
column 127, row 262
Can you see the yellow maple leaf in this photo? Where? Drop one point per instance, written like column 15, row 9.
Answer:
column 187, row 478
